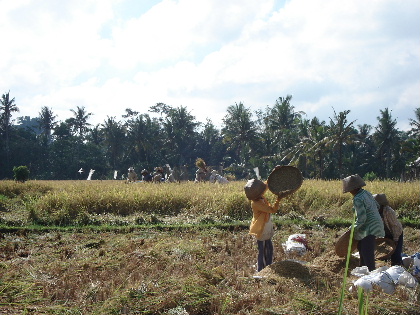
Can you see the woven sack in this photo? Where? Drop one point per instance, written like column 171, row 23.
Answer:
column 284, row 180
column 342, row 244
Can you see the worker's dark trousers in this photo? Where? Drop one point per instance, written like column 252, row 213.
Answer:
column 265, row 254
column 366, row 247
column 396, row 259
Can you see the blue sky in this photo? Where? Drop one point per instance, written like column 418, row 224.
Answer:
column 109, row 55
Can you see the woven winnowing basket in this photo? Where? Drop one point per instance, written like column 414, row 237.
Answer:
column 385, row 247
column 342, row 244
column 284, row 180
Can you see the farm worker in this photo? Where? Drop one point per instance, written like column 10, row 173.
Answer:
column 159, row 175
column 131, row 176
column 146, row 176
column 393, row 227
column 171, row 177
column 213, row 175
column 261, row 225
column 368, row 224
column 200, row 175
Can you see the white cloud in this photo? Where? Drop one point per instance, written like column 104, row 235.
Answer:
column 207, row 55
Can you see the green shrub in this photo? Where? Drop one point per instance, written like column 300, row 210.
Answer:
column 370, row 176
column 21, row 173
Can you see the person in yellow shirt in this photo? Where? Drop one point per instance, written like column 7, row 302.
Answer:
column 261, row 225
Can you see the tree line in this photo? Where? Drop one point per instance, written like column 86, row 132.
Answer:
column 277, row 134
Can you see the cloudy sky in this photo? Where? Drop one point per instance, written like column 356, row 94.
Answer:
column 205, row 55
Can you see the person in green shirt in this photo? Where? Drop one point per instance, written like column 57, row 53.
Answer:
column 368, row 225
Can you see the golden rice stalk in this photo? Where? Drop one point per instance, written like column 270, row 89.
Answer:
column 200, row 163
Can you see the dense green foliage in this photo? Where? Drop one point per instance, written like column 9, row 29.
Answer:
column 21, row 173
column 244, row 140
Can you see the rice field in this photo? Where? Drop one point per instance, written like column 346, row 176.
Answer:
column 107, row 247
column 75, row 202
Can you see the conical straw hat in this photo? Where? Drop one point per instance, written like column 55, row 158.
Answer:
column 352, row 182
column 381, row 199
column 254, row 188
column 284, row 180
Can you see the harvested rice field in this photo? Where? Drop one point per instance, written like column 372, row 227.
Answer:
column 190, row 262
column 196, row 271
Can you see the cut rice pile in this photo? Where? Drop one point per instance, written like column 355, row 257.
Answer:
column 332, row 263
column 291, row 273
column 286, row 269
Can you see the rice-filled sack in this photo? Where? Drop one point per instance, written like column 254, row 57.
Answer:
column 364, row 283
column 407, row 280
column 360, row 271
column 416, row 265
column 296, row 243
column 376, row 279
column 395, row 272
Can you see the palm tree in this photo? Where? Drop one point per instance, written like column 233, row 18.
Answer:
column 179, row 128
column 114, row 136
column 312, row 145
column 386, row 137
column 145, row 136
column 7, row 107
column 283, row 122
column 79, row 121
column 64, row 161
column 415, row 123
column 46, row 122
column 95, row 135
column 211, row 148
column 342, row 133
column 316, row 145
column 239, row 130
column 363, row 150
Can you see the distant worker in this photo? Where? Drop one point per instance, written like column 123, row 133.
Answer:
column 200, row 175
column 158, row 176
column 146, row 176
column 131, row 176
column 202, row 169
column 171, row 177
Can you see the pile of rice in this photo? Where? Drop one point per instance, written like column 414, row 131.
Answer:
column 292, row 273
column 331, row 262
column 286, row 269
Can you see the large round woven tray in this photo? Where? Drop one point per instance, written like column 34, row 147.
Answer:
column 342, row 244
column 284, row 180
column 385, row 247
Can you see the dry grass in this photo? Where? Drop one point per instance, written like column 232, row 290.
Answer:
column 201, row 271
column 184, row 270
